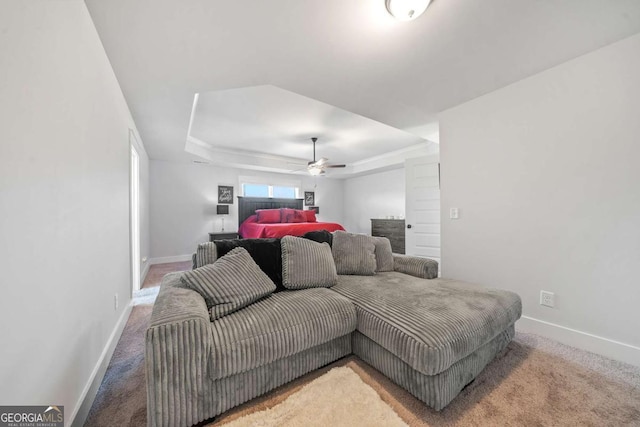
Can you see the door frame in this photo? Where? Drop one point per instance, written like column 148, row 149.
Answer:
column 411, row 221
column 134, row 211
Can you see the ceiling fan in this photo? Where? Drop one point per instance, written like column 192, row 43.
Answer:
column 317, row 167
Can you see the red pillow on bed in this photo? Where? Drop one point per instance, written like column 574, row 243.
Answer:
column 268, row 216
column 293, row 215
column 285, row 213
column 310, row 215
column 298, row 216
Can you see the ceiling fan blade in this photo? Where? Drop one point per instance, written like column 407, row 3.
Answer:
column 296, row 167
column 297, row 170
column 322, row 161
column 335, row 166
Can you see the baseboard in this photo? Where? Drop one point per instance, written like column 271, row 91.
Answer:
column 606, row 347
column 79, row 415
column 145, row 270
column 166, row 259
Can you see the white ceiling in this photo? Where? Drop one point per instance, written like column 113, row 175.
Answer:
column 350, row 55
column 267, row 119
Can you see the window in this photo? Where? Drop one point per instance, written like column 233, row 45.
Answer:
column 264, row 187
column 284, row 192
column 255, row 190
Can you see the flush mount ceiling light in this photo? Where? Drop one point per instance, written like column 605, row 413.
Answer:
column 406, row 10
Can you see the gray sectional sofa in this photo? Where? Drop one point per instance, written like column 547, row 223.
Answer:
column 431, row 336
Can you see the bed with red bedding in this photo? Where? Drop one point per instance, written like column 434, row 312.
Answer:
column 278, row 218
column 251, row 229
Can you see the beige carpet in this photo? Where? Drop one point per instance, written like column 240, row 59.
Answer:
column 533, row 382
column 157, row 272
column 149, row 291
column 523, row 386
column 339, row 397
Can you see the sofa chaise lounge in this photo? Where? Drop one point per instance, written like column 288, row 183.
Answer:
column 431, row 336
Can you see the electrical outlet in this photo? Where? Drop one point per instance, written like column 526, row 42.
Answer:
column 454, row 213
column 547, row 298
column 115, row 302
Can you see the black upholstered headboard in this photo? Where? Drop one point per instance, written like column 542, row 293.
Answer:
column 247, row 205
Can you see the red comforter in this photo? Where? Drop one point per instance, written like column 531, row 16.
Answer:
column 250, row 229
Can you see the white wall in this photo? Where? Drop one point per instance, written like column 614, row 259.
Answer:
column 184, row 198
column 373, row 196
column 547, row 178
column 64, row 202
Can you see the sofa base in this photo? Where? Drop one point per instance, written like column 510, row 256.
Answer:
column 237, row 389
column 437, row 391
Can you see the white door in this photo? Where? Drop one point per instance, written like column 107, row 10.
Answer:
column 422, row 210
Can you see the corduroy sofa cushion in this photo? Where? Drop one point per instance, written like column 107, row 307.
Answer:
column 265, row 252
column 383, row 253
column 319, row 236
column 425, row 268
column 307, row 264
column 428, row 324
column 354, row 253
column 278, row 326
column 205, row 254
column 229, row 284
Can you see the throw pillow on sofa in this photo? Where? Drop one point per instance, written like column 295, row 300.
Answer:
column 205, row 254
column 319, row 236
column 307, row 264
column 354, row 254
column 265, row 252
column 383, row 253
column 232, row 282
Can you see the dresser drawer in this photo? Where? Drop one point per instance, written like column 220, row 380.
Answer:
column 392, row 229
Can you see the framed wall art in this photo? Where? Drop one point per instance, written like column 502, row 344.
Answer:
column 225, row 194
column 309, row 198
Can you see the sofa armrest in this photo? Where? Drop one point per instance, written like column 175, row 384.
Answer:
column 424, row 268
column 175, row 303
column 177, row 353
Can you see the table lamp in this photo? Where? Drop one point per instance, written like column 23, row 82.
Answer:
column 222, row 210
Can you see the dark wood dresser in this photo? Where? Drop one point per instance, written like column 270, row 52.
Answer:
column 393, row 229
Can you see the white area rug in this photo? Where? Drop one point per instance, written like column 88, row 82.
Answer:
column 145, row 296
column 337, row 398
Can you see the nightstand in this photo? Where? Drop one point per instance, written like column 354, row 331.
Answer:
column 223, row 235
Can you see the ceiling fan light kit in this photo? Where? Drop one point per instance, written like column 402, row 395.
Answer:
column 317, row 167
column 315, row 171
column 406, row 10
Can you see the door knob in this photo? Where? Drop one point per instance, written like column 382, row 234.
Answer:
column 408, row 225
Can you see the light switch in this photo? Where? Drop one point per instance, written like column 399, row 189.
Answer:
column 453, row 213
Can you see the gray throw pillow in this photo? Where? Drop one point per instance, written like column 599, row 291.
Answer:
column 205, row 254
column 229, row 284
column 307, row 264
column 384, row 254
column 354, row 254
